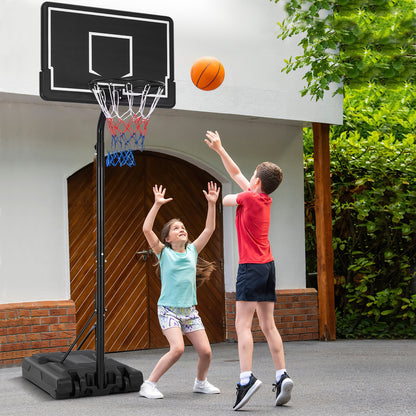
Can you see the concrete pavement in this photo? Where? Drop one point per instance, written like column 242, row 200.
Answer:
column 365, row 377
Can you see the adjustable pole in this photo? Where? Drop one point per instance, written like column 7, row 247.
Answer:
column 100, row 293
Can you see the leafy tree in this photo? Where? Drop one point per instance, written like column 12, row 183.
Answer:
column 351, row 42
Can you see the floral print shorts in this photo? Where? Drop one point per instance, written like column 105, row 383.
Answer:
column 187, row 319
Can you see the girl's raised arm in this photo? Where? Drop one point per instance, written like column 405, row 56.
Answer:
column 211, row 196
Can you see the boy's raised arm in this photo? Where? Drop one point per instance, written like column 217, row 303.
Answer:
column 213, row 141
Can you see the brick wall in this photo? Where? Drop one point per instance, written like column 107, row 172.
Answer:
column 35, row 327
column 296, row 316
column 50, row 326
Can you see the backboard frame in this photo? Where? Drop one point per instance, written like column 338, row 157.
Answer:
column 59, row 22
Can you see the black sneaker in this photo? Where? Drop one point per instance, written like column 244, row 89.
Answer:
column 283, row 389
column 245, row 392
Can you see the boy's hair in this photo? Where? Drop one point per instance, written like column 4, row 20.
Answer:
column 204, row 268
column 270, row 175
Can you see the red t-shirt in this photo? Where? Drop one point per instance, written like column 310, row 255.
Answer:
column 252, row 222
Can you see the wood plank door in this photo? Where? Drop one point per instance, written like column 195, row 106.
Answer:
column 131, row 285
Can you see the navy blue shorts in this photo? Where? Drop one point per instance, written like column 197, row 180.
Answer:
column 256, row 282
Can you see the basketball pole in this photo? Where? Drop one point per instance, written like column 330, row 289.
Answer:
column 100, row 292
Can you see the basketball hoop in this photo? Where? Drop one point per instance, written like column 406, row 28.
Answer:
column 127, row 128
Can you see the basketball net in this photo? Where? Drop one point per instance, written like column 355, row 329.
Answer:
column 127, row 129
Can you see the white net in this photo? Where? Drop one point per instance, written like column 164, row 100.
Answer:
column 127, row 127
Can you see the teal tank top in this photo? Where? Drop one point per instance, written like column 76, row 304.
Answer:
column 178, row 277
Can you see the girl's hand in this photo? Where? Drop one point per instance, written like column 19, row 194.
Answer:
column 159, row 192
column 213, row 192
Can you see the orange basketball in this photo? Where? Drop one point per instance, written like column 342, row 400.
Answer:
column 207, row 73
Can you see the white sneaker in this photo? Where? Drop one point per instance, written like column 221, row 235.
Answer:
column 150, row 391
column 205, row 387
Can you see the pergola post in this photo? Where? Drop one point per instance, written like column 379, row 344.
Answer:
column 323, row 217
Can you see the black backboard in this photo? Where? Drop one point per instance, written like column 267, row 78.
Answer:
column 81, row 44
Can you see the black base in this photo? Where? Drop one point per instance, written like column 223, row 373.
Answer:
column 76, row 376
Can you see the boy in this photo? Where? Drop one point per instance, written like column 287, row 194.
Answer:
column 255, row 288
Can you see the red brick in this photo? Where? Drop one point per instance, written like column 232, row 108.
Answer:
column 58, row 327
column 49, row 335
column 40, row 312
column 57, row 312
column 11, row 314
column 59, row 343
column 23, row 329
column 47, row 304
column 66, row 303
column 33, row 337
column 24, row 313
column 40, row 344
column 67, row 334
column 11, row 331
column 40, row 328
column 286, row 319
column 49, row 320
column 68, row 318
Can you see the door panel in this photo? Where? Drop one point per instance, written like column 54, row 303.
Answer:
column 126, row 323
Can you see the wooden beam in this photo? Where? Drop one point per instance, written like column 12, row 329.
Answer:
column 323, row 217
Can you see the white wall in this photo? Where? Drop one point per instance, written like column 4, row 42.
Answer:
column 241, row 33
column 40, row 146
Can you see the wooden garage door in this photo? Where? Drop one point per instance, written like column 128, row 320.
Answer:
column 131, row 285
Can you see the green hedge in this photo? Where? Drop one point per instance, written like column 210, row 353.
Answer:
column 373, row 172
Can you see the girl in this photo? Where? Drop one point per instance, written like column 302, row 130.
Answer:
column 176, row 305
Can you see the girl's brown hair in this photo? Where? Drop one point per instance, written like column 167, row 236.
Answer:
column 204, row 268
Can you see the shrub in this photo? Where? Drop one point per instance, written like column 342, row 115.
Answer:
column 373, row 190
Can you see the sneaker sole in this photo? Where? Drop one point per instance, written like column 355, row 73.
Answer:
column 249, row 394
column 285, row 393
column 207, row 392
column 151, row 397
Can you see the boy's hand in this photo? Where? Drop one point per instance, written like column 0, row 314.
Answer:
column 213, row 192
column 213, row 140
column 159, row 193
